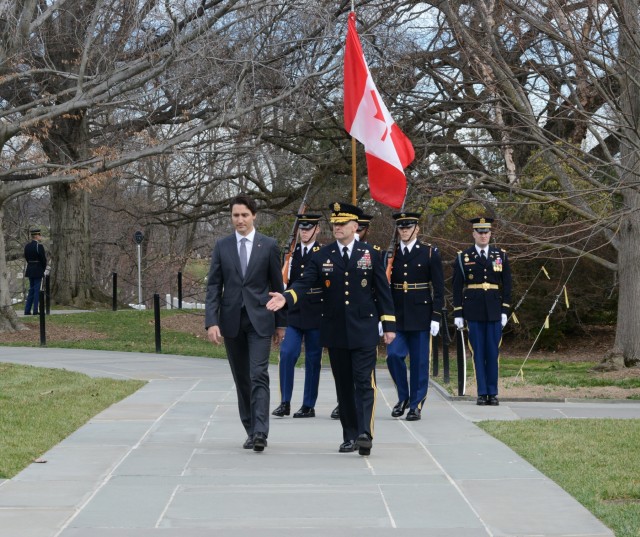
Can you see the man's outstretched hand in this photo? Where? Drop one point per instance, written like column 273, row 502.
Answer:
column 277, row 302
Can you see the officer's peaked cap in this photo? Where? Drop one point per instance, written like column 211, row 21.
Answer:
column 344, row 212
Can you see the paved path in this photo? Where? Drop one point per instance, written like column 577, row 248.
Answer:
column 167, row 462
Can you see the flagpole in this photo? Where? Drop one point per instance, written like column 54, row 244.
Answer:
column 354, row 185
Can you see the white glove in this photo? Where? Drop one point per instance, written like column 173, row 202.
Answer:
column 503, row 319
column 380, row 332
column 435, row 328
column 47, row 271
column 459, row 322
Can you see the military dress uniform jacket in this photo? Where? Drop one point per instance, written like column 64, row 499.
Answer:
column 354, row 297
column 417, row 286
column 481, row 291
column 307, row 312
column 36, row 259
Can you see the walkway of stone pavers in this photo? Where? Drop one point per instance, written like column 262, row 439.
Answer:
column 168, row 461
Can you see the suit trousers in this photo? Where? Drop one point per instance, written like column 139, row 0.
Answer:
column 290, row 349
column 417, row 344
column 355, row 368
column 484, row 340
column 248, row 355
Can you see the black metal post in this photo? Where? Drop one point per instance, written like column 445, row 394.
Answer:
column 156, row 316
column 114, row 291
column 435, row 363
column 446, row 341
column 47, row 294
column 41, row 312
column 179, row 290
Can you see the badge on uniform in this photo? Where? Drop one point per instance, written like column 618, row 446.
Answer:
column 327, row 266
column 497, row 265
column 365, row 261
column 364, row 282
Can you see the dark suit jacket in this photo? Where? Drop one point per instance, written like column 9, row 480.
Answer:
column 227, row 290
column 480, row 304
column 354, row 297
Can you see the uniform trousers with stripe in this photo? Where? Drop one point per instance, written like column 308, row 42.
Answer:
column 354, row 372
column 290, row 349
column 484, row 340
column 416, row 344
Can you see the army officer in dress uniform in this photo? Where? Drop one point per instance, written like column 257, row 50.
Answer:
column 303, row 322
column 37, row 268
column 355, row 296
column 482, row 297
column 417, row 286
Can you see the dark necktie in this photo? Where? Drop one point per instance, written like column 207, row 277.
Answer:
column 243, row 256
column 483, row 256
column 405, row 251
column 304, row 251
column 345, row 255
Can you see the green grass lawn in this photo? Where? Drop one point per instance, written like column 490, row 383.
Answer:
column 40, row 407
column 596, row 461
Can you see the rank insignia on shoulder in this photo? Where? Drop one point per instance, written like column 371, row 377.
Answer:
column 315, row 248
column 376, row 247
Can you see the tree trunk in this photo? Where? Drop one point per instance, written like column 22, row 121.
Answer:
column 627, row 343
column 71, row 279
column 9, row 321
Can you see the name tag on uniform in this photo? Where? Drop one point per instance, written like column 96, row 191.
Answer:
column 327, row 266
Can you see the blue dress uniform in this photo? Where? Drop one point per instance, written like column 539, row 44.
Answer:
column 36, row 259
column 417, row 286
column 355, row 296
column 303, row 322
column 481, row 294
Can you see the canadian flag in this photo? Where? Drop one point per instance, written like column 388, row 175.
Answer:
column 367, row 119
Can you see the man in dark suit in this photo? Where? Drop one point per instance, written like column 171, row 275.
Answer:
column 355, row 296
column 37, row 268
column 245, row 266
column 417, row 286
column 303, row 323
column 482, row 297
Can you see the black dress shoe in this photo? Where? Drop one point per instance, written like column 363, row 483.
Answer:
column 493, row 401
column 259, row 441
column 283, row 409
column 347, row 447
column 305, row 412
column 399, row 409
column 335, row 413
column 364, row 444
column 248, row 443
column 413, row 414
column 482, row 400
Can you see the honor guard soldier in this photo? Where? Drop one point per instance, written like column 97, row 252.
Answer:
column 482, row 297
column 417, row 286
column 37, row 268
column 303, row 322
column 355, row 296
column 361, row 235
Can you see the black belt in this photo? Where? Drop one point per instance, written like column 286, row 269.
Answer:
column 406, row 286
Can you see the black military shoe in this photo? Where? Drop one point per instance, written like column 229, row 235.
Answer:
column 259, row 441
column 305, row 412
column 364, row 444
column 284, row 409
column 399, row 409
column 482, row 400
column 248, row 443
column 493, row 401
column 347, row 447
column 413, row 414
column 335, row 413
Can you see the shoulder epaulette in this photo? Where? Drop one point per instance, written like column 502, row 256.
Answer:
column 376, row 247
column 503, row 250
column 315, row 248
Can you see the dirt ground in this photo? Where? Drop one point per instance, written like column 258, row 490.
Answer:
column 588, row 348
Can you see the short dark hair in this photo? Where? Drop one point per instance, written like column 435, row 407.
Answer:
column 243, row 199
